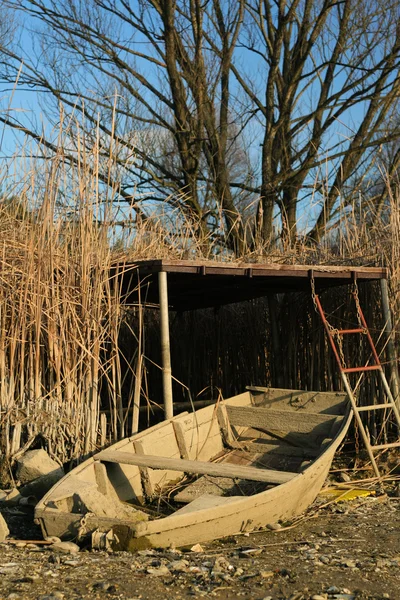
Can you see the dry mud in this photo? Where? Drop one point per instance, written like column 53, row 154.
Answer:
column 343, row 551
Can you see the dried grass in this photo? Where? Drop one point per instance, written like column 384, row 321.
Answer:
column 69, row 347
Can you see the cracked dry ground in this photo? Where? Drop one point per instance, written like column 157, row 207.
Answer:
column 341, row 551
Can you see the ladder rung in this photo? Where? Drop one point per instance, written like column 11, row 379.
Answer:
column 375, row 406
column 358, row 369
column 383, row 446
column 358, row 330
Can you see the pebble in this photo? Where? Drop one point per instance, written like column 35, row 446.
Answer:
column 53, row 539
column 197, row 548
column 333, row 590
column 351, row 564
column 319, row 597
column 162, row 571
column 325, row 559
column 267, row 574
column 65, row 547
column 221, row 565
column 54, row 559
column 179, row 566
column 103, row 586
column 274, row 526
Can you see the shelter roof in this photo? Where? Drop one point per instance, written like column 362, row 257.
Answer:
column 201, row 283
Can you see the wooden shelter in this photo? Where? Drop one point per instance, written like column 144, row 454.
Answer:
column 183, row 285
column 201, row 284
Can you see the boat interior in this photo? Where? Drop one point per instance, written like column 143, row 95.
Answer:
column 238, row 447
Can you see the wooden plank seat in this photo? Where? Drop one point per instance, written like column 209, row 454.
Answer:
column 198, row 467
column 280, row 420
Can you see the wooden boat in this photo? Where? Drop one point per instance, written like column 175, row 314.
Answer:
column 251, row 460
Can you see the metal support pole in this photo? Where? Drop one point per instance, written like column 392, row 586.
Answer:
column 391, row 350
column 165, row 345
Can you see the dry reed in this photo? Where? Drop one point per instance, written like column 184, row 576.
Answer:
column 75, row 360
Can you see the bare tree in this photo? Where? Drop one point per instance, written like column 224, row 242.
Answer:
column 331, row 72
column 146, row 79
column 180, row 85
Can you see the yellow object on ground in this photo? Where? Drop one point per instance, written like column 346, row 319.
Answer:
column 345, row 494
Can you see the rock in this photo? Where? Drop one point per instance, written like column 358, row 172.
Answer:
column 179, row 566
column 65, row 547
column 52, row 538
column 196, row 548
column 274, row 526
column 103, row 586
column 222, row 564
column 351, row 564
column 267, row 574
column 4, row 531
column 333, row 590
column 36, row 489
column 325, row 559
column 36, row 463
column 162, row 571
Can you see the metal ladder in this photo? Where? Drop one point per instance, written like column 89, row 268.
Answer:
column 337, row 350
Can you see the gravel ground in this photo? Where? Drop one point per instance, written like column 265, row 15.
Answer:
column 342, row 551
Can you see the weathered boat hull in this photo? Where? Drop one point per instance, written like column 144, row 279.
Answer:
column 201, row 437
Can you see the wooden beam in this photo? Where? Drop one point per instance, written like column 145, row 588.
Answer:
column 257, row 269
column 391, row 349
column 279, row 420
column 196, row 466
column 165, row 346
